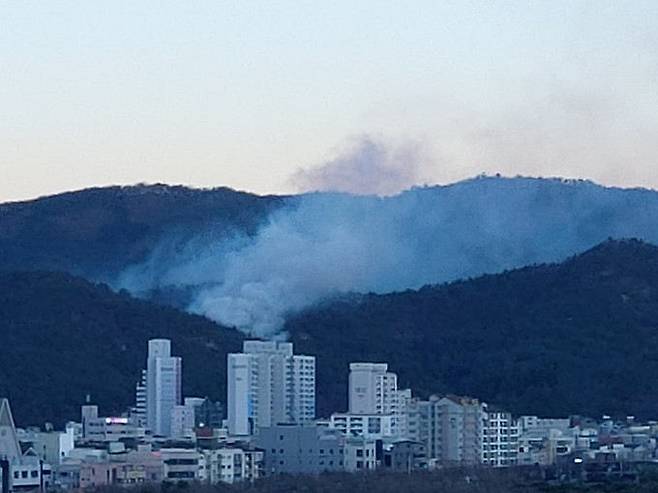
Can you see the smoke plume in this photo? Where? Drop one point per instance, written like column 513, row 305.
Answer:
column 323, row 244
column 367, row 166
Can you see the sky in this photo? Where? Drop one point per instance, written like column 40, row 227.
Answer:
column 372, row 96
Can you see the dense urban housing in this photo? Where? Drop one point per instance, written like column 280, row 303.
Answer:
column 269, row 427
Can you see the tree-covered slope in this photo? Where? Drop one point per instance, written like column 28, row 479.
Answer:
column 576, row 337
column 249, row 261
column 62, row 337
column 98, row 232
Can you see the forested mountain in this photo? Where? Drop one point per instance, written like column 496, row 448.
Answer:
column 251, row 262
column 62, row 337
column 575, row 337
column 98, row 232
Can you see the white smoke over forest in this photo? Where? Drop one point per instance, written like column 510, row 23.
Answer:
column 368, row 166
column 322, row 244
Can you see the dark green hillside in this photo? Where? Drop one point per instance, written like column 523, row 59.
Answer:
column 100, row 231
column 577, row 337
column 63, row 337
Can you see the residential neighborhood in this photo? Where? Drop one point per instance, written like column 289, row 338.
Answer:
column 268, row 427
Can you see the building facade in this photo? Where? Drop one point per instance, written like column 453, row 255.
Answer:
column 268, row 385
column 233, row 465
column 301, row 449
column 500, row 438
column 163, row 386
column 372, row 389
column 138, row 413
column 365, row 425
column 450, row 428
column 25, row 469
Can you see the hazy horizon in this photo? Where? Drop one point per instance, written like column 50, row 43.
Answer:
column 367, row 98
column 388, row 195
column 340, row 192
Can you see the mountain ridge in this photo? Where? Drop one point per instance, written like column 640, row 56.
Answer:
column 64, row 337
column 513, row 338
column 97, row 232
column 579, row 336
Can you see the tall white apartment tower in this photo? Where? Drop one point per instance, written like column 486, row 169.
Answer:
column 163, row 386
column 268, row 385
column 372, row 389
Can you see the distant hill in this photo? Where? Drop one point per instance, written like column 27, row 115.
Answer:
column 98, row 232
column 575, row 337
column 250, row 262
column 62, row 338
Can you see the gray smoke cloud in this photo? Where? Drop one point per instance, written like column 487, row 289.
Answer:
column 323, row 244
column 367, row 166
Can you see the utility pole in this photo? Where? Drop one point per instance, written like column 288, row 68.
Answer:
column 41, row 484
column 4, row 466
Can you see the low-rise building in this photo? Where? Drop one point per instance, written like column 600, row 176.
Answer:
column 376, row 426
column 301, row 449
column 96, row 428
column 183, row 465
column 233, row 464
column 27, row 471
column 51, row 446
column 107, row 473
column 360, row 454
column 403, row 456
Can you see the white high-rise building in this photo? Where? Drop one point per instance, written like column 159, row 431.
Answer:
column 138, row 413
column 163, row 386
column 500, row 437
column 374, row 398
column 268, row 385
column 372, row 389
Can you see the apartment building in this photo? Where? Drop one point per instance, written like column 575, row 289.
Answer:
column 500, row 438
column 233, row 465
column 450, row 429
column 268, row 385
column 372, row 389
column 163, row 386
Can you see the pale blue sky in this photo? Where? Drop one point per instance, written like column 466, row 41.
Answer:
column 246, row 93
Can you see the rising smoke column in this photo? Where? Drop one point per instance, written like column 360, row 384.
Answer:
column 324, row 244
